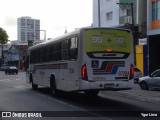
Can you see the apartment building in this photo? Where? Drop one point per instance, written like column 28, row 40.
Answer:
column 28, row 29
column 113, row 13
column 105, row 13
column 153, row 33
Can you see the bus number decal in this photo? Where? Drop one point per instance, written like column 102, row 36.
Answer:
column 123, row 73
column 97, row 39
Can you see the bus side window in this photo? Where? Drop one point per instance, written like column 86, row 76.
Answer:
column 55, row 51
column 47, row 55
column 41, row 55
column 73, row 48
column 32, row 59
column 64, row 49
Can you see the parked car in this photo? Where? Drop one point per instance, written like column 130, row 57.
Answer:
column 151, row 81
column 3, row 67
column 137, row 74
column 11, row 69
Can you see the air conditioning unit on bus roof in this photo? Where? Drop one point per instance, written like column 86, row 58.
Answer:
column 128, row 19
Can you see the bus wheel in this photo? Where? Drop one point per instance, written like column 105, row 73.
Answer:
column 34, row 86
column 91, row 93
column 54, row 91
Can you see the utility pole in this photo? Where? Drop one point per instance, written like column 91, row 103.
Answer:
column 132, row 25
column 99, row 16
column 131, row 4
column 2, row 55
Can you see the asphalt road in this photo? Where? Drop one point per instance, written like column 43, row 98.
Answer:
column 17, row 95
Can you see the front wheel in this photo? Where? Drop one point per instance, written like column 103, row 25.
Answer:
column 144, row 86
column 34, row 86
column 53, row 88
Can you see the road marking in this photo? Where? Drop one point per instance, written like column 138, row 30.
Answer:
column 8, row 80
column 19, row 87
column 5, row 80
column 65, row 103
column 59, row 101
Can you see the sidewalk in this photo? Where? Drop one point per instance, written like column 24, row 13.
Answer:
column 137, row 93
column 137, row 90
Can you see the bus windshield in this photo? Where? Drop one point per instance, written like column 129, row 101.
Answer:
column 107, row 43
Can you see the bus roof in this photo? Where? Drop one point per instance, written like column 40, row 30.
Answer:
column 54, row 39
column 70, row 34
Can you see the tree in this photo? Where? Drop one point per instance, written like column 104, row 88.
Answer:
column 3, row 36
column 3, row 40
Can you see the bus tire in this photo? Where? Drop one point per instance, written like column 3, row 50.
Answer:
column 34, row 86
column 53, row 88
column 91, row 93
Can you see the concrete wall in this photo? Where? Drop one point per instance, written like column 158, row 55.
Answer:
column 106, row 6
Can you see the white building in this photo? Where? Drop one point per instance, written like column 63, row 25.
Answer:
column 107, row 13
column 28, row 29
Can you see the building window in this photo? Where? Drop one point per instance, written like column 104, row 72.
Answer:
column 156, row 10
column 109, row 16
column 23, row 22
column 155, row 14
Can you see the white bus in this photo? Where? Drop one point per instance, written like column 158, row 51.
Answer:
column 88, row 59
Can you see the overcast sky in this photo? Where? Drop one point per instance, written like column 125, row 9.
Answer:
column 54, row 15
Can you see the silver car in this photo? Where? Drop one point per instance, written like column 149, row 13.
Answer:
column 151, row 81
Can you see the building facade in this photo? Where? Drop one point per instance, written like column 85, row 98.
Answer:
column 14, row 55
column 5, row 49
column 114, row 13
column 28, row 29
column 105, row 13
column 153, row 33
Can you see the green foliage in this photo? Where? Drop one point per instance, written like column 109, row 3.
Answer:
column 3, row 36
column 30, row 43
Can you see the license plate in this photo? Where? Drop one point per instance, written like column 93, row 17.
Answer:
column 109, row 85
